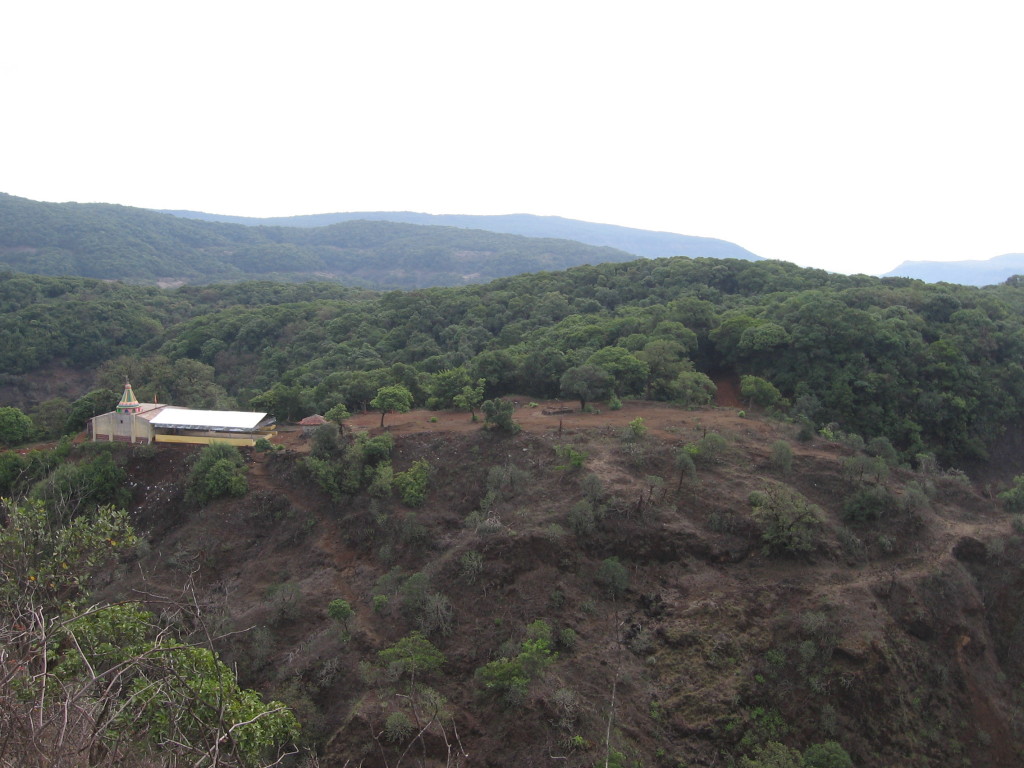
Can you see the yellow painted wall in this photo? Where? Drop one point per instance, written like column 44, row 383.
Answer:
column 197, row 440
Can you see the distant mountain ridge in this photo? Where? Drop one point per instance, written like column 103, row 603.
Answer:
column 114, row 242
column 973, row 272
column 641, row 242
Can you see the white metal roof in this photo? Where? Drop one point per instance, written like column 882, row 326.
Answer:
column 186, row 418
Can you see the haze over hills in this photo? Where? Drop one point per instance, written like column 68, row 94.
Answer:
column 640, row 242
column 970, row 272
column 114, row 242
column 380, row 250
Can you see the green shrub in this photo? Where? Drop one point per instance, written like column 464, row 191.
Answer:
column 868, row 503
column 375, row 449
column 613, row 576
column 471, row 565
column 509, row 676
column 436, row 615
column 498, row 416
column 340, row 611
column 263, row 445
column 359, row 461
column 573, row 459
column 583, row 518
column 882, row 448
column 829, row 754
column 782, row 457
column 324, row 442
column 1013, row 498
column 692, row 389
column 760, row 392
column 592, row 487
column 412, row 656
column 773, row 755
column 862, row 469
column 915, row 498
column 507, row 480
column 927, row 464
column 71, row 487
column 412, row 484
column 398, row 727
column 504, row 677
column 788, row 521
column 323, row 473
column 567, row 638
column 708, row 450
column 687, row 469
column 381, row 477
column 15, row 427
column 218, row 471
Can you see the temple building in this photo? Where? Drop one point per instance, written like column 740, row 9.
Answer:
column 135, row 422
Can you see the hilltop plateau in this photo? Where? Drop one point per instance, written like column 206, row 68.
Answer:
column 598, row 599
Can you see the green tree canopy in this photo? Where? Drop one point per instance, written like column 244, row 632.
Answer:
column 218, row 471
column 413, row 655
column 760, row 392
column 629, row 374
column 586, row 382
column 15, row 427
column 394, row 398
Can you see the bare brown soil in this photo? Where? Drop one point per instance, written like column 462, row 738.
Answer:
column 666, row 421
column 906, row 616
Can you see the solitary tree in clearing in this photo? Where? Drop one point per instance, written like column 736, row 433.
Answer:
column 392, row 398
column 471, row 397
column 587, row 382
column 338, row 414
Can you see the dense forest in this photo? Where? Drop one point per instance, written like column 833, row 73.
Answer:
column 114, row 242
column 932, row 368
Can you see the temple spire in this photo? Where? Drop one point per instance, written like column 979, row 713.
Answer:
column 129, row 403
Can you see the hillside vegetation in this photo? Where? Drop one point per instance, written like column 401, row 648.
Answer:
column 114, row 242
column 740, row 535
column 932, row 369
column 650, row 586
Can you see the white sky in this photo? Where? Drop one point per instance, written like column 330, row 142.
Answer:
column 848, row 136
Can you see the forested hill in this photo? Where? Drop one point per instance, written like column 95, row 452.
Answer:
column 928, row 368
column 640, row 242
column 114, row 242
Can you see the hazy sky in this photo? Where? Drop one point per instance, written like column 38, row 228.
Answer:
column 848, row 136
